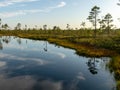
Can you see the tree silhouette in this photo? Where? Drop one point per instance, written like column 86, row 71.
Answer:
column 93, row 17
column 54, row 27
column 2, row 27
column 83, row 25
column 0, row 23
column 36, row 27
column 68, row 26
column 25, row 27
column 102, row 23
column 5, row 26
column 45, row 27
column 18, row 27
column 108, row 20
column 119, row 19
column 118, row 3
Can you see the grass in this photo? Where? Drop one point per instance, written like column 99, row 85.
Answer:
column 83, row 49
column 114, row 67
column 82, row 41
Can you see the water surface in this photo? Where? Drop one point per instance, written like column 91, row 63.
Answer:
column 38, row 65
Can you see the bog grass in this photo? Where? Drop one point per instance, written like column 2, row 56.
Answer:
column 82, row 41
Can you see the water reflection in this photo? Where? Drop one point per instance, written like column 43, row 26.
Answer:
column 45, row 48
column 37, row 65
column 1, row 46
column 95, row 63
column 16, row 83
column 92, row 66
column 6, row 39
column 19, row 40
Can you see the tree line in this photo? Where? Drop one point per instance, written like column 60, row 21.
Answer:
column 105, row 23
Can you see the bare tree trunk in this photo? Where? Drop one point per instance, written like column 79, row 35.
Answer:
column 95, row 26
column 108, row 28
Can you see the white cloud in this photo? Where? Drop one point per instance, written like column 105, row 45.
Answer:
column 61, row 55
column 81, row 76
column 11, row 2
column 24, row 12
column 62, row 4
column 11, row 14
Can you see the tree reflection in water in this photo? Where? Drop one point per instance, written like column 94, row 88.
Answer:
column 19, row 41
column 92, row 66
column 1, row 46
column 32, row 70
column 6, row 39
column 45, row 48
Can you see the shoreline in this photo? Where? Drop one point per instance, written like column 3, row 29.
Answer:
column 89, row 47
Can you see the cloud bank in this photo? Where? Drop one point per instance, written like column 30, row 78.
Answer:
column 11, row 2
column 24, row 12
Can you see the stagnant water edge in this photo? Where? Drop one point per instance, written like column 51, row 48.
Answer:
column 58, row 43
column 89, row 51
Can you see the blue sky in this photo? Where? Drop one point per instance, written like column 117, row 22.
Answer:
column 54, row 12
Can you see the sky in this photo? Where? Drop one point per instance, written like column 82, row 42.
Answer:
column 55, row 12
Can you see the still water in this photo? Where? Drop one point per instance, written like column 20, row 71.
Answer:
column 38, row 65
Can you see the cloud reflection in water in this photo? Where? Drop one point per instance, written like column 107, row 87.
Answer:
column 13, row 57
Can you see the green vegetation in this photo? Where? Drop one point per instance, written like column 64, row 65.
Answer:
column 93, row 17
column 78, row 37
column 114, row 66
column 82, row 41
column 102, row 42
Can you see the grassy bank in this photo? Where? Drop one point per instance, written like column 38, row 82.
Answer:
column 80, row 37
column 82, row 41
column 82, row 49
column 114, row 66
